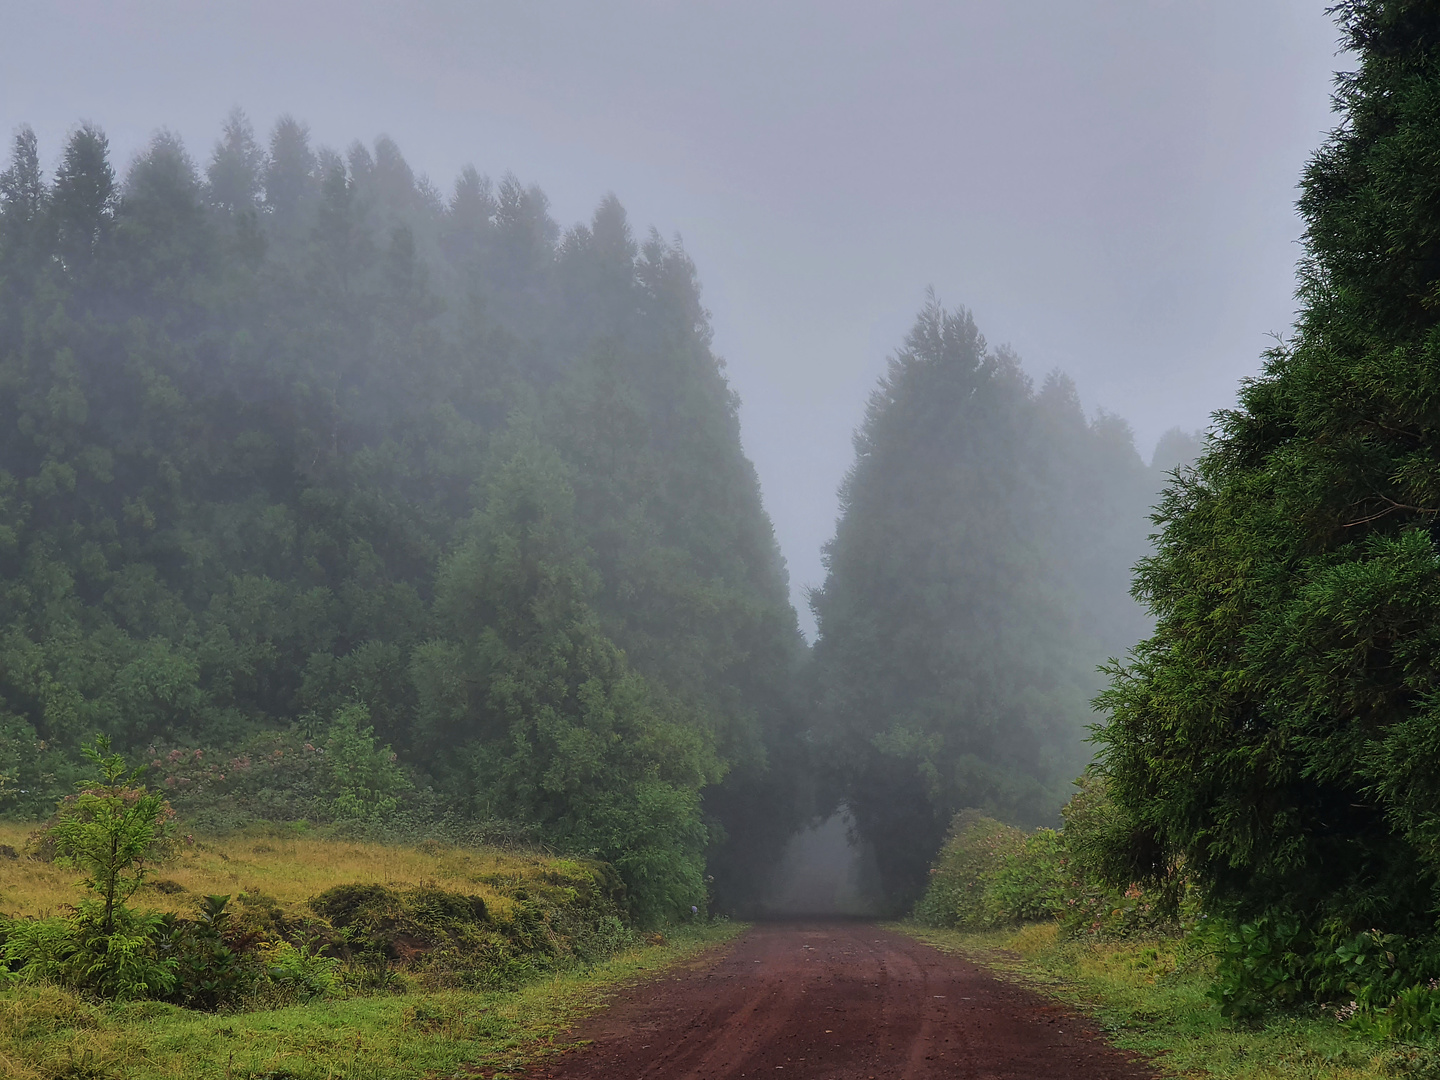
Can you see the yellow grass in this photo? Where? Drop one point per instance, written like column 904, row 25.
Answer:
column 289, row 867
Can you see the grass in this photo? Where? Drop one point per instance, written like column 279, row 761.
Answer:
column 49, row 1034
column 283, row 863
column 1150, row 997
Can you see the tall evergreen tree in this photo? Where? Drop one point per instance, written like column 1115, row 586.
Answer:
column 236, row 174
column 84, row 195
column 1280, row 730
column 23, row 194
column 964, row 607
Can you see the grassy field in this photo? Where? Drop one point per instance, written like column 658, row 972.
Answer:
column 282, row 863
column 1150, row 996
column 49, row 1033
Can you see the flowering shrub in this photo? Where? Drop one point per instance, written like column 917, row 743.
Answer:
column 341, row 774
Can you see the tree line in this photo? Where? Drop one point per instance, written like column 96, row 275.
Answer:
column 299, row 452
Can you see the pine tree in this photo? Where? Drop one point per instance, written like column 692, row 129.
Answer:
column 23, row 195
column 963, row 609
column 290, row 172
column 1280, row 730
column 84, row 197
column 237, row 167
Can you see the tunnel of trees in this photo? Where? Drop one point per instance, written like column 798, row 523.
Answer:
column 303, row 459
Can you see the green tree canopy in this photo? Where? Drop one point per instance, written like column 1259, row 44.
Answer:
column 975, row 580
column 253, row 418
column 1281, row 728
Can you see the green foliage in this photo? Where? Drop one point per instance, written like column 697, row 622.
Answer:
column 362, row 779
column 248, row 425
column 121, row 960
column 47, row 1033
column 976, row 578
column 1278, row 732
column 989, row 874
column 1259, row 965
column 216, row 962
column 561, row 730
column 301, row 972
column 1414, row 1015
column 113, row 831
column 1030, row 886
column 1108, row 892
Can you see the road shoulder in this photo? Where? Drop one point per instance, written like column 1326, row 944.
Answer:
column 1149, row 996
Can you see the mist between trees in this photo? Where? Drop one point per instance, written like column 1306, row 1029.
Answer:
column 333, row 496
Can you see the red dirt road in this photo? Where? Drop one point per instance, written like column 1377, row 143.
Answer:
column 837, row 1001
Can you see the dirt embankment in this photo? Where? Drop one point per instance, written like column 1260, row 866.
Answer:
column 838, row 1001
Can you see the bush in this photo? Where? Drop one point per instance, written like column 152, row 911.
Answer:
column 991, row 874
column 1259, row 965
column 363, row 780
column 1028, row 886
column 1383, row 983
column 216, row 965
column 1114, row 886
column 301, row 971
column 120, row 962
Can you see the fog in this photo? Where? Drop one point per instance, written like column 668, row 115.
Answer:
column 1109, row 186
column 825, row 870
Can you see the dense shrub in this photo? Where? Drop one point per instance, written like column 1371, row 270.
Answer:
column 312, row 772
column 991, row 874
column 217, row 965
column 1107, row 893
column 79, row 952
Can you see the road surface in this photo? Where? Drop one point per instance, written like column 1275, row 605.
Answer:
column 836, row 1001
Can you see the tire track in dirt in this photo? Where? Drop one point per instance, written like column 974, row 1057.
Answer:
column 837, row 1001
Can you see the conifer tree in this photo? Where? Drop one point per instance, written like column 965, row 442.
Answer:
column 84, row 195
column 1280, row 730
column 237, row 167
column 965, row 605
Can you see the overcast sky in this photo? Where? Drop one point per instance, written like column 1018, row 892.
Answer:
column 1107, row 184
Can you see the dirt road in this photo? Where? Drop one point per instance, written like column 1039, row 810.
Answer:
column 837, row 1001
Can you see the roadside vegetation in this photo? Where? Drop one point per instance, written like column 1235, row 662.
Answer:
column 1152, row 994
column 1261, row 822
column 50, row 1033
column 130, row 949
column 1198, row 993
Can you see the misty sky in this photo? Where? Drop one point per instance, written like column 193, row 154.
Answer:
column 1107, row 184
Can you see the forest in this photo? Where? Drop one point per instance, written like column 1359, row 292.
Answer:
column 329, row 496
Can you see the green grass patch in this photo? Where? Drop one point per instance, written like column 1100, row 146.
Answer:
column 50, row 1034
column 1150, row 996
